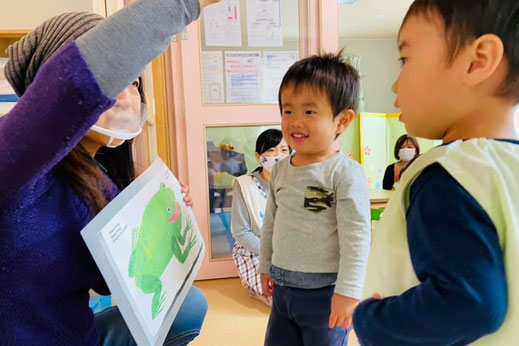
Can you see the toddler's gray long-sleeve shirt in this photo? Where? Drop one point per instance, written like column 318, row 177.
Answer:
column 317, row 220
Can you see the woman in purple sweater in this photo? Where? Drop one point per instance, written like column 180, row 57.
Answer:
column 70, row 78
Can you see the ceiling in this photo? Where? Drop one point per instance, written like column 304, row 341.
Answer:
column 369, row 19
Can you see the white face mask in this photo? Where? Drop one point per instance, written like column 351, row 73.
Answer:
column 269, row 162
column 406, row 154
column 121, row 124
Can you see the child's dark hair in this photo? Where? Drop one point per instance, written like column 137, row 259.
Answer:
column 400, row 142
column 466, row 20
column 329, row 74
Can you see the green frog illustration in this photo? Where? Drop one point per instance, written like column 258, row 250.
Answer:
column 159, row 238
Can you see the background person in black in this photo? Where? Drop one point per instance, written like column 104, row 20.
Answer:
column 406, row 149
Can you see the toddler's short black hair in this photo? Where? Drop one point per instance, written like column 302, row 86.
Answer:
column 466, row 20
column 328, row 73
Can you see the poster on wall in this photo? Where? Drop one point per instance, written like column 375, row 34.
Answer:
column 243, row 77
column 149, row 249
column 223, row 24
column 264, row 23
column 212, row 76
column 275, row 65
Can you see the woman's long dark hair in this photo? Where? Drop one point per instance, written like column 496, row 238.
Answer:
column 267, row 139
column 84, row 176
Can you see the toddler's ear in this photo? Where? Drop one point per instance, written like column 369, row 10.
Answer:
column 344, row 120
column 483, row 58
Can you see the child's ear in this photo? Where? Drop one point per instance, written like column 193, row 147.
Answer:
column 486, row 54
column 344, row 120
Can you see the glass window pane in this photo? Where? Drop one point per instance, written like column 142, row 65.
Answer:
column 246, row 48
column 230, row 153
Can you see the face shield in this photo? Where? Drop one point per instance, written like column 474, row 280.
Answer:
column 124, row 120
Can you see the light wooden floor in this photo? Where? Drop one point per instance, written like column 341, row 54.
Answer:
column 233, row 318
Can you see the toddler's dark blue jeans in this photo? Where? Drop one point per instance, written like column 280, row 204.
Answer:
column 300, row 317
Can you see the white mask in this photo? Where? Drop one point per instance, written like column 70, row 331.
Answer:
column 121, row 124
column 269, row 162
column 406, row 154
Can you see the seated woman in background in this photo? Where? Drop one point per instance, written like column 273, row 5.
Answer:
column 406, row 148
column 248, row 209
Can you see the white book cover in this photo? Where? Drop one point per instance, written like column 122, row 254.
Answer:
column 149, row 249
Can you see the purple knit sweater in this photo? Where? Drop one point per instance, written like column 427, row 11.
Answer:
column 46, row 269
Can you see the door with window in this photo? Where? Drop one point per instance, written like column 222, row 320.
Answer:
column 226, row 71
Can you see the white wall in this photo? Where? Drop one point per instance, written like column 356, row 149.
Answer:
column 380, row 67
column 28, row 14
column 372, row 18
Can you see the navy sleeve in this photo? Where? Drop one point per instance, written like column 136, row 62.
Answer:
column 456, row 256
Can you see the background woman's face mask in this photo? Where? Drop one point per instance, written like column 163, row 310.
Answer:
column 269, row 162
column 406, row 154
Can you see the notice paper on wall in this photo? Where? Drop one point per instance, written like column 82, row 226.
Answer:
column 243, row 77
column 275, row 65
column 149, row 249
column 222, row 24
column 212, row 76
column 264, row 23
